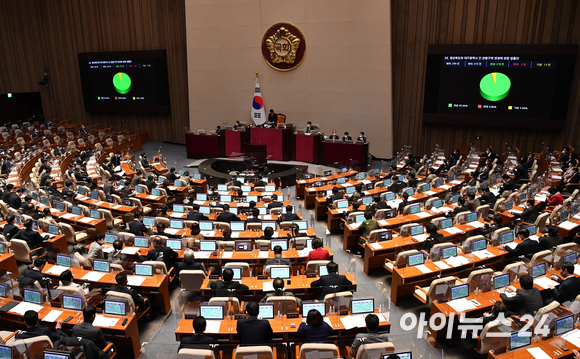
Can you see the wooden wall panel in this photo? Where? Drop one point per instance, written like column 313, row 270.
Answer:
column 38, row 35
column 418, row 23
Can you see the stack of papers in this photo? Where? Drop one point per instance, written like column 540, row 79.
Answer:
column 540, row 198
column 56, row 269
column 52, row 316
column 476, row 224
column 538, row 353
column 423, row 268
column 117, row 206
column 568, row 225
column 421, row 237
column 86, row 220
column 135, row 280
column 442, row 265
column 265, row 254
column 130, row 250
column 68, row 216
column 456, row 182
column 353, row 321
column 98, row 203
column 201, row 255
column 573, row 337
column 93, row 276
column 108, row 249
column 376, row 246
column 213, row 326
column 453, row 230
column 268, row 286
column 304, row 252
column 544, row 282
column 512, row 245
column 411, row 198
column 355, row 225
column 394, row 203
column 201, row 203
column 171, row 231
column 429, row 193
column 105, row 322
column 422, row 214
column 23, row 307
column 382, row 222
column 445, row 186
column 483, row 254
column 461, row 305
column 227, row 255
column 457, row 261
column 176, row 215
column 151, row 196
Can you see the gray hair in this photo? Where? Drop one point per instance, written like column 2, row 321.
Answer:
column 188, row 255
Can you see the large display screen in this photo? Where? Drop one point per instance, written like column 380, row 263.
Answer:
column 125, row 82
column 499, row 85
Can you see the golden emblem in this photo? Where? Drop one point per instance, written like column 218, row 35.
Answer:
column 283, row 46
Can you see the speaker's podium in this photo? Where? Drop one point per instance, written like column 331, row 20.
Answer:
column 255, row 155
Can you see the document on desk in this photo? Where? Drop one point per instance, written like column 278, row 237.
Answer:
column 23, row 307
column 268, row 286
column 226, row 255
column 422, row 214
column 573, row 337
column 423, row 268
column 394, row 203
column 576, row 268
column 304, row 252
column 544, row 282
column 512, row 245
column 352, row 321
column 266, row 254
column 540, row 198
column 382, row 222
column 236, row 235
column 568, row 225
column 171, row 231
column 445, row 186
column 275, row 235
column 68, row 216
column 301, row 181
column 355, row 225
column 52, row 316
column 151, row 197
column 108, row 249
column 98, row 203
column 201, row 203
column 442, row 265
column 483, row 254
column 93, row 276
column 538, row 353
column 453, row 230
column 212, row 326
column 201, row 255
column 105, row 322
column 461, row 305
column 86, row 220
column 176, row 215
column 457, row 261
column 327, row 320
column 476, row 224
column 456, row 182
column 130, row 250
column 430, row 193
column 411, row 198
column 421, row 237
column 135, row 280
column 516, row 211
column 205, row 233
column 56, row 269
column 376, row 246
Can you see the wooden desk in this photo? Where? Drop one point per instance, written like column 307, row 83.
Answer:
column 282, row 328
column 118, row 210
column 301, row 184
column 156, row 287
column 8, row 263
column 405, row 279
column 125, row 337
column 312, row 193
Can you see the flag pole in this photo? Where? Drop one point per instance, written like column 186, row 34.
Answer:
column 256, row 76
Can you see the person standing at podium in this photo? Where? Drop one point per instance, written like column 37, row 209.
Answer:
column 272, row 118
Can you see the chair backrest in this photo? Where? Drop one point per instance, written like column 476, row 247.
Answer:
column 21, row 250
column 352, row 216
column 318, row 350
column 126, row 237
column 546, row 309
column 312, row 266
column 244, row 265
column 374, row 235
column 158, row 267
column 35, row 346
column 283, row 304
column 541, row 222
column 498, row 204
column 192, row 279
column 163, row 220
column 340, row 301
column 405, row 230
column 480, row 278
column 186, row 353
column 374, row 350
column 74, row 290
column 435, row 293
column 401, row 259
column 488, row 342
column 515, row 270
column 231, row 303
column 482, row 211
column 461, row 217
column 542, row 257
column 468, row 241
column 125, row 297
column 254, row 352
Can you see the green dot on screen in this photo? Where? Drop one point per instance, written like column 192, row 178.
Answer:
column 122, row 83
column 450, row 105
column 494, row 86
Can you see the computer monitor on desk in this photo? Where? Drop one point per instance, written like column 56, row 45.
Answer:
column 520, row 340
column 564, row 325
column 282, row 272
column 415, row 259
column 501, row 281
column 63, row 260
column 459, row 291
column 538, row 270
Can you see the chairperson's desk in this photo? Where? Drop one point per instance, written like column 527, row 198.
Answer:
column 285, row 329
column 125, row 337
column 155, row 287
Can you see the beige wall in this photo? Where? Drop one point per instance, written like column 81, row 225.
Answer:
column 344, row 82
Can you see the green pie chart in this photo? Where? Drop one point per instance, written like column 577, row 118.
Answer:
column 122, row 83
column 494, row 86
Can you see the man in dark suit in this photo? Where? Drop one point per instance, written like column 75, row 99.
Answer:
column 9, row 229
column 227, row 216
column 552, row 239
column 275, row 203
column 32, row 237
column 199, row 325
column 109, row 187
column 121, row 279
column 346, row 137
column 50, row 191
column 334, row 136
column 289, row 216
column 136, row 226
column 404, row 203
column 487, row 197
column 259, row 182
column 508, row 184
column 33, row 330
column 14, row 200
column 336, row 195
column 332, row 282
column 67, row 191
column 277, row 260
column 251, row 330
column 530, row 213
column 86, row 330
column 255, row 216
column 308, row 127
column 272, row 117
column 171, row 176
column 36, row 271
column 224, row 287
column 126, row 191
column 116, row 159
column 521, row 171
column 194, row 215
column 461, row 207
column 527, row 299
column 569, row 287
column 396, row 184
column 43, row 178
column 488, row 230
column 162, row 252
column 526, row 248
column 7, row 192
column 150, row 182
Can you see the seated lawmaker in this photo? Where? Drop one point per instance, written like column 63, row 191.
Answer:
column 527, row 299
column 346, row 137
column 34, row 330
column 223, row 288
column 551, row 239
column 289, row 216
column 569, row 287
column 275, row 203
column 530, row 212
column 138, row 299
column 317, row 252
column 199, row 325
column 526, row 248
column 227, row 216
column 313, row 327
column 371, row 336
column 162, row 252
column 30, row 236
column 251, row 330
column 278, row 285
column 195, row 215
column 332, row 282
column 86, row 330
column 277, row 260
column 189, row 262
